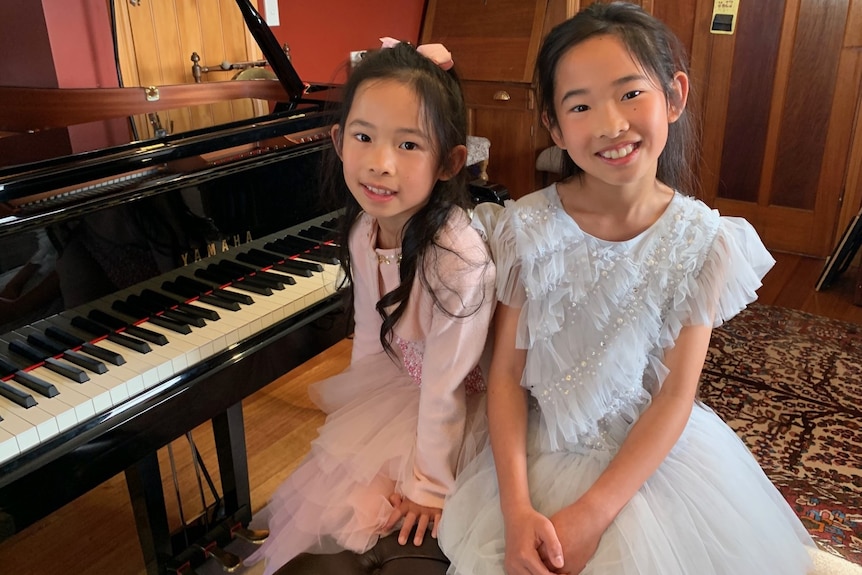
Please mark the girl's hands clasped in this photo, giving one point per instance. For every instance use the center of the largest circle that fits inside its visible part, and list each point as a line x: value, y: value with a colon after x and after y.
x: 532, y: 545
x: 579, y: 533
x: 413, y: 514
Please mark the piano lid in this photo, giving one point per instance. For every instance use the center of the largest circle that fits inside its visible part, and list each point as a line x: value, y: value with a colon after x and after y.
x: 275, y: 56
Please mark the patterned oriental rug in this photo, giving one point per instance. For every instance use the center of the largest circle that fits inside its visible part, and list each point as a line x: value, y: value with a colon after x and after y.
x: 790, y: 384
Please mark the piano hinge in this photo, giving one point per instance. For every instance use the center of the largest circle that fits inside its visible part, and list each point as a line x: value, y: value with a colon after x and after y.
x: 152, y: 93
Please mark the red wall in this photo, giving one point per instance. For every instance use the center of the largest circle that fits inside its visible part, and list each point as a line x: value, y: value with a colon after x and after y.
x: 321, y: 34
x: 56, y: 44
x: 61, y: 44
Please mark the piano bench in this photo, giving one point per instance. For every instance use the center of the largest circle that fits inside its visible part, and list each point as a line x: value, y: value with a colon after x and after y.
x: 387, y: 557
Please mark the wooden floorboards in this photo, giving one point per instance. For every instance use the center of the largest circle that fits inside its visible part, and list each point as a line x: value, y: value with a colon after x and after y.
x: 96, y: 533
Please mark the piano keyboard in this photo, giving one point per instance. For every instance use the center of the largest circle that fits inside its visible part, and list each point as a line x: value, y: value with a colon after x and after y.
x: 62, y: 371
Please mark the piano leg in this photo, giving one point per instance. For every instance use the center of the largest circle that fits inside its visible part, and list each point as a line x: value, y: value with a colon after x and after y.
x: 159, y: 547
x: 148, y: 501
x: 229, y: 433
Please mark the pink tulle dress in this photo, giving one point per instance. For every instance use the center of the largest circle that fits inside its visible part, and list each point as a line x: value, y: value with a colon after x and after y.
x: 403, y: 425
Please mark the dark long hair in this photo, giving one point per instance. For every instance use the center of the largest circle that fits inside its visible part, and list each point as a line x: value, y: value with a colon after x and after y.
x: 655, y: 47
x: 440, y: 96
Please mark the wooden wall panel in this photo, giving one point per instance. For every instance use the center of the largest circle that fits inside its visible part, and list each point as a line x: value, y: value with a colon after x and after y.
x: 497, y: 42
x: 679, y: 16
x: 754, y: 60
x: 810, y: 88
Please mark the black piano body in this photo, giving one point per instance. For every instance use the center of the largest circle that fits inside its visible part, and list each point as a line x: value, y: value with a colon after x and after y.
x: 112, y: 230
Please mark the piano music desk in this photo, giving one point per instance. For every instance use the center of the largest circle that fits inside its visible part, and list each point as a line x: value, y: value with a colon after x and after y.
x: 96, y: 533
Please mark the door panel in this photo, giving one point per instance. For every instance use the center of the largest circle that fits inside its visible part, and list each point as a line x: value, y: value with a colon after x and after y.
x: 156, y: 40
x: 778, y: 99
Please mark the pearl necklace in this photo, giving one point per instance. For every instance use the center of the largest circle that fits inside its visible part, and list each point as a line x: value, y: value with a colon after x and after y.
x: 389, y: 259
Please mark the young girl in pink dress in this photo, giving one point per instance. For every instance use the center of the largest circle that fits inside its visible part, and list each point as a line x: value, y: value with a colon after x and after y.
x: 408, y: 413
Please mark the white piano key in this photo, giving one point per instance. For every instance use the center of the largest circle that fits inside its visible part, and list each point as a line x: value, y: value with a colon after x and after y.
x: 70, y: 404
x: 99, y: 396
x: 152, y: 367
x: 8, y: 445
x: 25, y: 433
x: 42, y: 421
x: 60, y: 410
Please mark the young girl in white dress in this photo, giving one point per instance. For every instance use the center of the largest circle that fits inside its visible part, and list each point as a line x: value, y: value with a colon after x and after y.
x: 409, y: 410
x: 602, y: 461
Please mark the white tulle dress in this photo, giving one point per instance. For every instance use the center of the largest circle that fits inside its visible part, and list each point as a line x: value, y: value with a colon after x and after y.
x: 403, y: 426
x: 595, y: 318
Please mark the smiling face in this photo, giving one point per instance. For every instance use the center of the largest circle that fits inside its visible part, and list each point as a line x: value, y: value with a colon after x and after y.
x: 612, y: 117
x: 389, y: 156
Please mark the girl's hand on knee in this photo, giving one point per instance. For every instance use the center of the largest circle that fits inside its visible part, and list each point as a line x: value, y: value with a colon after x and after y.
x: 414, y: 515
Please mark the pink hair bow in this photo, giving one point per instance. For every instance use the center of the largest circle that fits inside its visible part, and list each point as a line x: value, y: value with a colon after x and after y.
x: 437, y: 53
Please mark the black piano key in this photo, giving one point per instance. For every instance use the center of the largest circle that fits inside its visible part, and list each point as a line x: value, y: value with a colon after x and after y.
x: 199, y: 311
x: 26, y: 350
x: 186, y: 290
x: 42, y: 341
x: 106, y: 319
x: 66, y: 370
x: 220, y: 277
x: 295, y: 270
x: 32, y: 354
x: 181, y: 289
x: 7, y: 367
x: 316, y: 233
x: 199, y: 286
x: 158, y: 299
x: 258, y: 257
x: 220, y: 293
x: 270, y: 279
x: 99, y: 330
x: 133, y: 330
x: 305, y: 249
x: 111, y: 357
x: 235, y: 267
x: 146, y: 334
x: 305, y: 244
x: 146, y: 305
x: 170, y: 324
x: 84, y: 361
x: 184, y: 317
x: 63, y: 336
x: 299, y: 244
x: 319, y: 257
x: 280, y: 248
x: 16, y: 395
x: 34, y: 383
x: 167, y: 318
x: 304, y: 265
x: 130, y: 309
x: 71, y: 340
x: 219, y: 302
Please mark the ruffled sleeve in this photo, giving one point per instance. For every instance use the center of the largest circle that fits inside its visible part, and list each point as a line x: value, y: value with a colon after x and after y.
x: 728, y: 280
x: 504, y: 248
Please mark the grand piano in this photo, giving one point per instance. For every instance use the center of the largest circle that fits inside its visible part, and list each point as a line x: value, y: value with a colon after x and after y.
x: 156, y: 285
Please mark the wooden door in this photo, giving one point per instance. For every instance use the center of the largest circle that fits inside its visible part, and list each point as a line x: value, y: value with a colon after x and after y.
x: 155, y: 41
x: 779, y: 99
